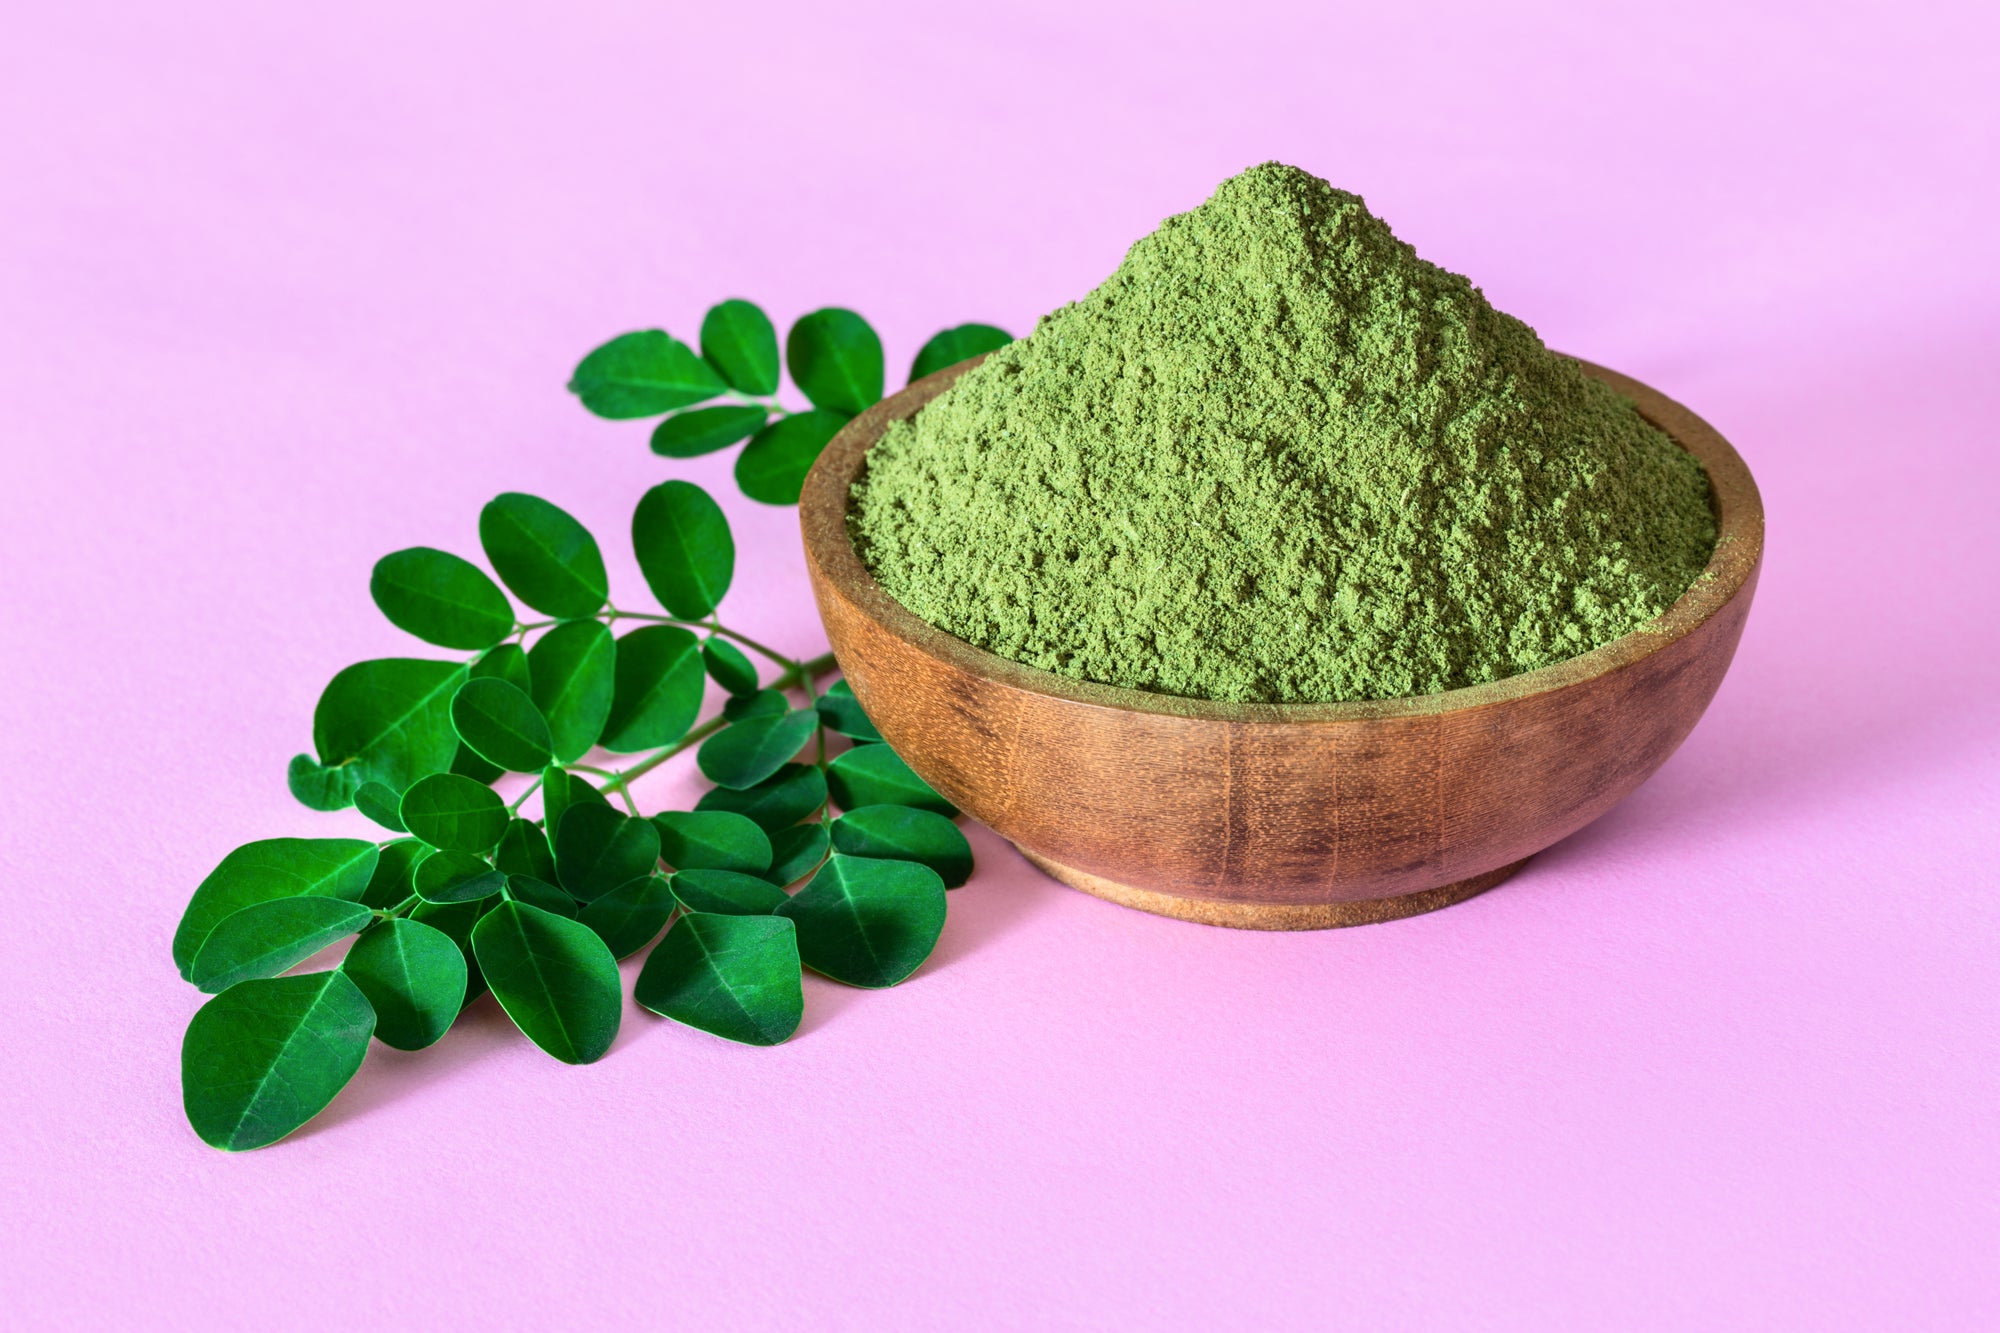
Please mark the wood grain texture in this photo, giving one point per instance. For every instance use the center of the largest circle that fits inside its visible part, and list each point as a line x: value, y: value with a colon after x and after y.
x: 1282, y: 816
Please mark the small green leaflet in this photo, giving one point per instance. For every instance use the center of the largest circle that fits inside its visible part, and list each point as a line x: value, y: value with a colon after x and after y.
x: 574, y: 667
x: 728, y: 667
x: 554, y: 977
x: 726, y: 892
x: 658, y: 689
x: 796, y: 852
x: 703, y: 430
x: 441, y: 598
x: 867, y: 922
x: 737, y: 338
x: 264, y: 1057
x: 628, y: 917
x: 524, y: 851
x: 506, y: 661
x: 548, y: 558
x: 455, y: 921
x: 453, y: 813
x: 772, y: 467
x: 318, y: 788
x: 467, y: 764
x: 390, y: 719
x: 745, y: 753
x: 734, y: 976
x: 413, y: 976
x: 841, y: 712
x: 455, y: 877
x: 395, y: 867
x: 783, y: 799
x: 274, y: 868
x: 381, y: 805
x: 540, y: 893
x: 502, y: 725
x: 265, y: 939
x: 836, y: 360
x: 764, y: 703
x: 684, y: 548
x: 560, y: 790
x: 712, y: 840
x: 955, y: 345
x: 905, y: 833
x: 642, y: 375
x: 877, y: 775
x: 598, y: 849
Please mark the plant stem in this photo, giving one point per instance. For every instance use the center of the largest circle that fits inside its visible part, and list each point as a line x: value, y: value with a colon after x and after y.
x: 520, y: 800
x: 791, y: 663
x: 800, y: 673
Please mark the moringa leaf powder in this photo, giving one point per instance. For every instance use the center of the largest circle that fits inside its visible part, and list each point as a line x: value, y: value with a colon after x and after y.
x: 1276, y: 456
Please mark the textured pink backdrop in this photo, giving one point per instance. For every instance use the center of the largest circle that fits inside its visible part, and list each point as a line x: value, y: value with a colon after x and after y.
x: 283, y: 289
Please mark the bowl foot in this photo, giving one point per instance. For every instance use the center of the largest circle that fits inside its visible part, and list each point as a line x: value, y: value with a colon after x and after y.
x: 1274, y: 916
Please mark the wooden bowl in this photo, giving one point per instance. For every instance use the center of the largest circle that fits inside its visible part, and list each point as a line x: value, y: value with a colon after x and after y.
x: 1282, y: 816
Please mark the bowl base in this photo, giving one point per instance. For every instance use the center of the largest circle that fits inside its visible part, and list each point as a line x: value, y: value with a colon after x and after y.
x: 1274, y: 916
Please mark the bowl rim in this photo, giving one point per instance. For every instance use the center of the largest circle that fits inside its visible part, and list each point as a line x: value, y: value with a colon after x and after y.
x: 823, y: 508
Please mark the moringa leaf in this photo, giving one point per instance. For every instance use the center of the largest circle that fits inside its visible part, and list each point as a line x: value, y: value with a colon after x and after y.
x: 836, y: 360
x: 642, y: 375
x: 395, y: 868
x: 265, y: 1056
x: 734, y: 976
x: 265, y: 939
x: 703, y: 430
x: 508, y: 662
x: 867, y: 922
x: 628, y: 917
x: 389, y: 719
x: 712, y: 840
x: 548, y: 558
x: 501, y: 725
x: 728, y: 667
x: 796, y: 852
x: 738, y: 339
x: 597, y: 849
x: 726, y: 892
x: 466, y: 763
x: 905, y: 833
x: 783, y: 799
x: 877, y: 775
x: 381, y: 805
x: 540, y: 893
x: 744, y: 753
x: 764, y: 703
x: 955, y: 345
x: 318, y: 788
x: 658, y: 690
x: 454, y: 814
x: 575, y: 669
x: 455, y: 922
x: 441, y: 598
x: 259, y: 872
x: 841, y: 712
x: 560, y: 790
x: 685, y: 551
x: 524, y: 851
x: 554, y: 977
x: 772, y: 467
x: 414, y: 977
x: 455, y: 877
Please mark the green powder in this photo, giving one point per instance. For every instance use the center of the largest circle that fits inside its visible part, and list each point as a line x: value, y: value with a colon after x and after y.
x: 1276, y: 456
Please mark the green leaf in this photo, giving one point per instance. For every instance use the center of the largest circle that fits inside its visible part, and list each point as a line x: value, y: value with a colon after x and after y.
x: 658, y: 691
x: 548, y: 558
x: 381, y: 805
x: 737, y: 338
x: 597, y: 849
x: 455, y: 877
x: 642, y: 375
x: 877, y: 775
x: 454, y: 814
x: 703, y: 430
x: 783, y: 799
x: 318, y: 788
x: 395, y: 869
x: 712, y: 840
x: 684, y: 548
x: 796, y: 852
x: 389, y: 720
x: 540, y: 893
x: 554, y: 977
x: 260, y: 872
x: 628, y: 917
x: 455, y: 922
x: 867, y: 922
x: 904, y: 833
x: 414, y: 977
x: 561, y: 790
x: 841, y: 712
x: 956, y: 345
x: 728, y: 667
x: 505, y: 661
x: 524, y: 851
x: 726, y: 892
x: 836, y: 360
x: 264, y: 1057
x: 441, y: 598
x: 764, y: 703
x: 575, y: 669
x: 468, y: 764
x: 734, y: 976
x: 265, y: 939
x: 744, y: 753
x: 502, y: 725
x: 772, y: 467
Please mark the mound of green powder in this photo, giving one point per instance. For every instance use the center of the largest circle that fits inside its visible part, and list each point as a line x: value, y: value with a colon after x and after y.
x: 1276, y: 456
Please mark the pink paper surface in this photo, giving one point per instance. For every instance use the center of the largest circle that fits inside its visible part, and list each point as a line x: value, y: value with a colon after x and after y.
x: 283, y: 288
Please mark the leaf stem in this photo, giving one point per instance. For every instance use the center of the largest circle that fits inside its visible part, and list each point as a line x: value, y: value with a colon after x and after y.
x: 521, y: 800
x: 791, y: 663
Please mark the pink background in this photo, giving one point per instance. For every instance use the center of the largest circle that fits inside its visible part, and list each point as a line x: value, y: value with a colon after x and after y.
x: 282, y: 291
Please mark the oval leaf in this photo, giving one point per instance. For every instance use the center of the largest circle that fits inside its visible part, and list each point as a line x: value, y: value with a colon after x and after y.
x: 381, y: 805
x: 728, y: 667
x: 796, y: 852
x: 772, y: 467
x: 506, y: 661
x: 642, y: 375
x: 554, y: 978
x: 548, y: 558
x: 836, y: 360
x: 264, y: 1057
x: 574, y: 667
x: 502, y: 725
x: 454, y: 814
x: 414, y: 977
x: 841, y: 712
x: 395, y: 869
x: 781, y: 800
x: 455, y: 877
x: 441, y: 598
x: 764, y: 703
x: 684, y: 548
x: 738, y: 339
x: 659, y: 686
x: 598, y: 849
x: 455, y: 922
x: 865, y: 922
x: 524, y: 851
x: 955, y: 345
x: 628, y: 917
x: 265, y: 939
x: 389, y: 720
x: 560, y: 790
x: 703, y: 430
x: 905, y: 833
x: 537, y: 892
x: 260, y: 872
x: 712, y: 840
x: 734, y: 976
x: 744, y: 753
x: 877, y: 775
x: 320, y: 788
x: 726, y: 892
